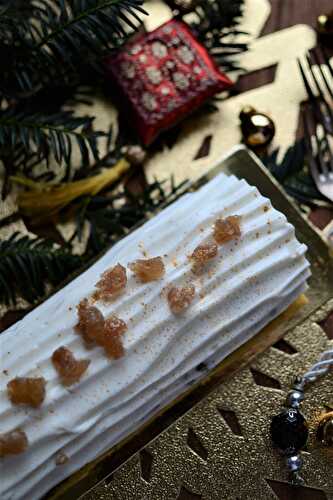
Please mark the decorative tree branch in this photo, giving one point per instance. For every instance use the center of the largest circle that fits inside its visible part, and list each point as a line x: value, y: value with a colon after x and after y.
x: 27, y: 265
x: 48, y: 134
x: 56, y: 35
x: 216, y: 27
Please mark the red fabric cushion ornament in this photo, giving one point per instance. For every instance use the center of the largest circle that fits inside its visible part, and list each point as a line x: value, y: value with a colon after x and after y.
x: 162, y: 76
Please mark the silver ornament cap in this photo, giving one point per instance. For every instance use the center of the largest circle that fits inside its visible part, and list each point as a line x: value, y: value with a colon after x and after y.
x: 294, y: 463
x: 294, y: 398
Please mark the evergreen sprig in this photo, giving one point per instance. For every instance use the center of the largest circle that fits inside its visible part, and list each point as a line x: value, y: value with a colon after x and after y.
x: 27, y: 265
x: 111, y: 217
x: 48, y: 50
x: 46, y: 46
x: 215, y: 26
x: 293, y: 174
x: 53, y: 133
x: 57, y: 37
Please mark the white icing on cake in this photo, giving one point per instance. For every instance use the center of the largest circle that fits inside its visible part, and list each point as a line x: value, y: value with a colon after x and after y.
x: 251, y: 282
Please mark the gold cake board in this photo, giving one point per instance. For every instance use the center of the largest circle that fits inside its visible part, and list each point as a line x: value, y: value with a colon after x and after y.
x: 232, y: 363
x: 220, y: 449
x: 245, y: 165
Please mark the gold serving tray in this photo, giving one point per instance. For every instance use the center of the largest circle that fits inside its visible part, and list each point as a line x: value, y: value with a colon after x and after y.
x: 244, y: 164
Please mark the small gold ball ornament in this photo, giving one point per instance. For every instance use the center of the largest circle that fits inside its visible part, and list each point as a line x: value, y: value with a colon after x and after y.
x: 257, y: 128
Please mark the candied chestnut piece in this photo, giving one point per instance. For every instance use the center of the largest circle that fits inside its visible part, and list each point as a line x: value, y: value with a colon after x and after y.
x: 112, y: 283
x: 113, y: 347
x: 91, y: 322
x: 13, y: 442
x: 69, y: 368
x: 111, y: 339
x: 115, y: 326
x: 148, y: 269
x: 227, y: 229
x: 180, y: 298
x: 202, y: 255
x: 27, y: 391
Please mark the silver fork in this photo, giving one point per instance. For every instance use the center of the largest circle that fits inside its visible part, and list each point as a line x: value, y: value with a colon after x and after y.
x: 319, y: 152
x: 321, y: 101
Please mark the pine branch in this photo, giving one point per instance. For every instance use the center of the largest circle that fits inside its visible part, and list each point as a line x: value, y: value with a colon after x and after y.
x: 112, y: 217
x: 40, y: 135
x: 27, y: 265
x: 294, y: 175
x: 216, y: 27
x: 84, y: 14
x: 217, y: 14
x: 58, y: 38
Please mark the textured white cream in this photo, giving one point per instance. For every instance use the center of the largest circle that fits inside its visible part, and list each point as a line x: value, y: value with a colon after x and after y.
x: 249, y: 284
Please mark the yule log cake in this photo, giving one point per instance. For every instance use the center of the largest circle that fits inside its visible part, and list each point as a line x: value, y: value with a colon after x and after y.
x: 92, y: 363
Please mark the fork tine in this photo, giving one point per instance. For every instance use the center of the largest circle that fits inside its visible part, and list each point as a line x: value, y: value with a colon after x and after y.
x: 327, y: 60
x: 325, y: 153
x: 321, y: 158
x: 307, y: 134
x: 308, y: 145
x: 313, y: 99
x: 311, y: 95
x: 314, y: 78
x: 319, y: 162
x: 319, y: 151
x: 321, y: 95
x: 318, y: 63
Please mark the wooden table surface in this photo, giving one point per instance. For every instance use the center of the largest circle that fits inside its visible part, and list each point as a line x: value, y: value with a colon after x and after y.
x: 287, y: 13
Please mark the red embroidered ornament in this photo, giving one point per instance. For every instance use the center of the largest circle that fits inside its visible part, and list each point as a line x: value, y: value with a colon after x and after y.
x: 162, y: 76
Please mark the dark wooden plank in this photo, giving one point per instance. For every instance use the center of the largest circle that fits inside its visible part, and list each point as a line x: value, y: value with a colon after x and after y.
x: 287, y: 13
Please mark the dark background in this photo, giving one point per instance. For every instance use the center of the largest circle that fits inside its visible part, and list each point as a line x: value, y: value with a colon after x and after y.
x: 289, y: 12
